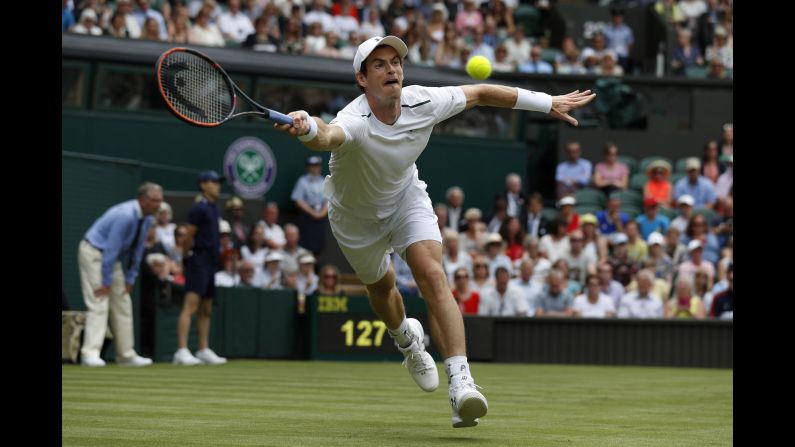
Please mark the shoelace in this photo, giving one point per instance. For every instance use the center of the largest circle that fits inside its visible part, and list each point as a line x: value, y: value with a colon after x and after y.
x: 419, y: 366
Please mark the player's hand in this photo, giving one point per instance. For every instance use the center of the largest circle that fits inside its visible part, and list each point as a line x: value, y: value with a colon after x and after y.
x: 300, y: 124
x: 102, y: 292
x: 563, y: 104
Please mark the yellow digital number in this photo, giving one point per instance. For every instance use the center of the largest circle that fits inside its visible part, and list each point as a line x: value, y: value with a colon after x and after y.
x: 365, y: 327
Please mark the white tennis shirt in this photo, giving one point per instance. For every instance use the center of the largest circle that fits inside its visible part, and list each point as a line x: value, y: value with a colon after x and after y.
x: 375, y: 168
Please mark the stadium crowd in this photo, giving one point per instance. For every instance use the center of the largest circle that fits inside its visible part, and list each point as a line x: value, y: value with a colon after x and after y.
x: 616, y: 243
x: 514, y: 35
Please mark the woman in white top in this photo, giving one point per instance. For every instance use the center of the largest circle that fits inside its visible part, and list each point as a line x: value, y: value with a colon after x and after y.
x: 593, y: 303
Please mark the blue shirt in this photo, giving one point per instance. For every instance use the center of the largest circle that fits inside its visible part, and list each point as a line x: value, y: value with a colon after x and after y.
x: 619, y: 38
x: 647, y: 227
x: 579, y: 172
x: 535, y: 67
x: 703, y: 191
x: 205, y: 216
x: 309, y: 189
x: 67, y: 19
x: 609, y: 228
x: 113, y: 234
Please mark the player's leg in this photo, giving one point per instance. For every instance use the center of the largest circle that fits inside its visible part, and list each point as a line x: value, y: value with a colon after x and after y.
x: 425, y: 260
x: 205, y: 354
x: 190, y: 305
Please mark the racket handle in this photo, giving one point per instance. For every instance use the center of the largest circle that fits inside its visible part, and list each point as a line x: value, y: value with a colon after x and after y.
x: 279, y: 117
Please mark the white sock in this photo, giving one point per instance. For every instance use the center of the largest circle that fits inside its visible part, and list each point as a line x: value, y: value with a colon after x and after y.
x: 457, y: 368
x: 402, y: 334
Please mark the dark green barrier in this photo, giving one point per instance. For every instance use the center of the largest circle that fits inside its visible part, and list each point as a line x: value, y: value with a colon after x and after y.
x: 346, y: 328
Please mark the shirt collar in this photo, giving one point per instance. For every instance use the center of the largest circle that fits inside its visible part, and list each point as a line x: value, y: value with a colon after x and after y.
x: 139, y: 213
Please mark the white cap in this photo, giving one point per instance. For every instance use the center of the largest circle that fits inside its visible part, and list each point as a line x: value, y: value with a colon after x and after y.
x: 307, y: 259
x: 656, y: 238
x: 568, y: 200
x: 369, y: 45
x: 274, y: 256
x: 687, y: 199
x: 494, y: 238
x: 224, y: 227
x: 620, y: 238
x: 694, y: 244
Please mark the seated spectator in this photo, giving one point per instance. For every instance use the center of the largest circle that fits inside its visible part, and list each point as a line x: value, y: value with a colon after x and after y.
x: 307, y: 281
x: 513, y: 235
x: 468, y: 18
x: 554, y: 300
x: 518, y: 46
x: 642, y: 303
x: 164, y: 228
x: 271, y: 276
x: 501, y: 62
x: 330, y: 281
x: 150, y: 30
x: 612, y: 219
x: 332, y: 46
x: 702, y: 286
x: 723, y: 302
x: 514, y: 197
x: 118, y: 26
x: 658, y: 186
x: 455, y: 208
x: 619, y: 39
x: 248, y: 276
x: 711, y: 166
x: 236, y: 215
x: 623, y: 266
x: 580, y: 262
x: 524, y: 282
x: 264, y: 38
x: 453, y: 257
x: 567, y: 213
x: 688, y: 268
x: 274, y: 234
x: 470, y: 240
x: 608, y: 65
x: 595, y: 243
x: 532, y: 218
x: 255, y: 249
x: 727, y: 140
x: 498, y: 215
x: 717, y: 70
x: 495, y: 256
x: 674, y: 247
x: 637, y: 251
x: 684, y: 304
x: 403, y: 276
x: 227, y: 277
x: 721, y: 50
x: 610, y: 286
x: 504, y: 299
x: 541, y: 264
x: 611, y: 174
x: 698, y: 229
x: 570, y: 62
x: 650, y: 221
x: 481, y: 279
x: 592, y: 56
x: 685, y: 203
x: 658, y: 261
x: 535, y: 64
x: 468, y: 300
x: 724, y: 184
x: 574, y: 173
x: 555, y: 243
x: 203, y: 32
x: 593, y: 303
x: 87, y: 24
x: 291, y: 250
x: 685, y: 55
x: 695, y: 185
x: 570, y: 282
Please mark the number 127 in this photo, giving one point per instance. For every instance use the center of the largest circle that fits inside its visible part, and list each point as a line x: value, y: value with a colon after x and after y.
x: 366, y: 328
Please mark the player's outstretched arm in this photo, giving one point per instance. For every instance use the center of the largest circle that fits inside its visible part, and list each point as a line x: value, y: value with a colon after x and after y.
x: 313, y: 132
x: 518, y: 98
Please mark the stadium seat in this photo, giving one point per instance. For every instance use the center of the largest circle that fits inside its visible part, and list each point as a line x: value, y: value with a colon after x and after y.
x: 590, y: 197
x: 631, y: 163
x: 676, y: 176
x: 630, y: 198
x: 638, y: 181
x: 670, y: 213
x: 680, y: 164
x: 587, y: 209
x: 550, y: 213
x: 632, y: 211
x: 529, y: 17
x: 710, y: 214
x: 696, y: 72
x: 646, y: 161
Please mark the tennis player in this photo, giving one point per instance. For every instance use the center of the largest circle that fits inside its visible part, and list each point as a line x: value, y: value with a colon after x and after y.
x: 378, y: 204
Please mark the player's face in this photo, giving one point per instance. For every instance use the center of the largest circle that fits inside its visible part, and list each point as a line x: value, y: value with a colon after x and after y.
x: 384, y: 72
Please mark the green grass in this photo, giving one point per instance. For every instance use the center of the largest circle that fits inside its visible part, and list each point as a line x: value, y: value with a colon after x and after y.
x: 291, y: 403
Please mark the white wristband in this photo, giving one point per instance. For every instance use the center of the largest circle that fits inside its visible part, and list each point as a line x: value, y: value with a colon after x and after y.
x: 535, y: 101
x: 309, y: 136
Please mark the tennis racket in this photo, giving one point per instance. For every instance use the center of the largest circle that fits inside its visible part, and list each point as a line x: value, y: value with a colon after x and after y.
x: 199, y: 92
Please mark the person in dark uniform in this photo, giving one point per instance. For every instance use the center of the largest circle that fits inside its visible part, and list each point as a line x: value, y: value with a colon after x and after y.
x: 312, y: 206
x: 200, y: 264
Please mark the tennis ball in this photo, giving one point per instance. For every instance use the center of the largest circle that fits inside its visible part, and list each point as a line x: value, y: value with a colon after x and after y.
x: 478, y: 67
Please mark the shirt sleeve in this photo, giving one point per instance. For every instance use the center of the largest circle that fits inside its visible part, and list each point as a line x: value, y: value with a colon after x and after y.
x: 298, y: 190
x: 447, y: 101
x: 351, y: 124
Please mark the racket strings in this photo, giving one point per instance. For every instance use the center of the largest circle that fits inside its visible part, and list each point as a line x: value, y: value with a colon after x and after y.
x: 195, y: 88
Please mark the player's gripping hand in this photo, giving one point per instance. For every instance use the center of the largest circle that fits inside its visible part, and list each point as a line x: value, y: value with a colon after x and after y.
x: 300, y: 126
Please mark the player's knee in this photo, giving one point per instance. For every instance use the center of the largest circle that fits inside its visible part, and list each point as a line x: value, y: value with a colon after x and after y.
x: 432, y: 276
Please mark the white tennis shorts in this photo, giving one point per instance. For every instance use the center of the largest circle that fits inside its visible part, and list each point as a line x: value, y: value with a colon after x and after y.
x: 367, y: 244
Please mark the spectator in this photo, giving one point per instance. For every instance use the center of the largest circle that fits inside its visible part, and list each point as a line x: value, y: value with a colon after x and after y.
x: 471, y: 238
x: 468, y: 18
x: 164, y: 228
x: 307, y: 282
x: 592, y: 56
x: 570, y: 62
x: 498, y: 215
x: 608, y: 65
x: 541, y: 265
x: 723, y: 187
x: 574, y: 173
x: 532, y: 217
x: 109, y: 257
x: 555, y: 300
x: 518, y: 47
x: 514, y: 195
x: 612, y: 219
x: 203, y: 32
x: 225, y: 237
x: 345, y: 17
x: 685, y: 213
x: 228, y: 277
x: 570, y: 282
x: 684, y: 304
x: 494, y: 254
x: 636, y: 244
x: 723, y: 302
x: 236, y: 215
x: 642, y: 303
x: 265, y: 36
x: 595, y: 243
x: 717, y: 70
x: 453, y: 257
x: 698, y: 229
x: 567, y: 213
x: 685, y: 55
x: 270, y: 277
x: 580, y: 262
x: 440, y: 209
x: 727, y: 140
x: 524, y: 282
x: 711, y: 166
x: 688, y: 269
x: 610, y: 286
x: 468, y: 300
x: 501, y: 62
x: 702, y: 286
x: 312, y: 206
x: 315, y: 39
x: 201, y: 263
x: 435, y: 26
x: 150, y: 30
x: 593, y: 303
x: 293, y: 38
x: 658, y: 185
x: 274, y: 234
x: 481, y: 279
x: 291, y: 249
x: 480, y: 47
x: 619, y: 39
x: 317, y: 13
x: 117, y: 26
x: 658, y: 261
x: 455, y: 208
x: 650, y: 220
x: 504, y: 299
x: 87, y: 24
x: 623, y: 266
x: 448, y: 51
x: 248, y: 276
x: 695, y: 185
x: 255, y: 249
x: 125, y: 8
x: 674, y: 248
x: 535, y: 64
x: 330, y: 281
x: 555, y: 244
x: 513, y: 235
x: 721, y: 49
x: 692, y: 10
x: 179, y: 26
x: 146, y: 12
x: 611, y: 175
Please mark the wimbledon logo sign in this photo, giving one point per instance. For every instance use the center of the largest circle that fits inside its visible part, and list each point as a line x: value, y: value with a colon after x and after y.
x: 250, y: 167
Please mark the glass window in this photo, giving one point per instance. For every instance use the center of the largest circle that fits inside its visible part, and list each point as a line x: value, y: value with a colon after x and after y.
x: 73, y: 85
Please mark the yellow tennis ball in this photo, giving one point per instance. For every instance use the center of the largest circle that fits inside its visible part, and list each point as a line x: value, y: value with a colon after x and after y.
x: 478, y: 67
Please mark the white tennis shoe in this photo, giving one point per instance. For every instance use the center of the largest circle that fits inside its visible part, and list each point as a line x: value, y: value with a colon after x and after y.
x: 420, y: 364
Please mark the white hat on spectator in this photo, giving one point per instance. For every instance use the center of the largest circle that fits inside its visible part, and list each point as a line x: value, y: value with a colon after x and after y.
x: 274, y: 256
x: 656, y: 238
x: 224, y: 227
x: 494, y: 238
x: 307, y: 259
x: 568, y: 200
x: 620, y: 238
x: 692, y: 163
x: 694, y: 244
x: 151, y: 258
x: 88, y: 13
x: 473, y: 213
x: 686, y: 199
x: 441, y: 7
